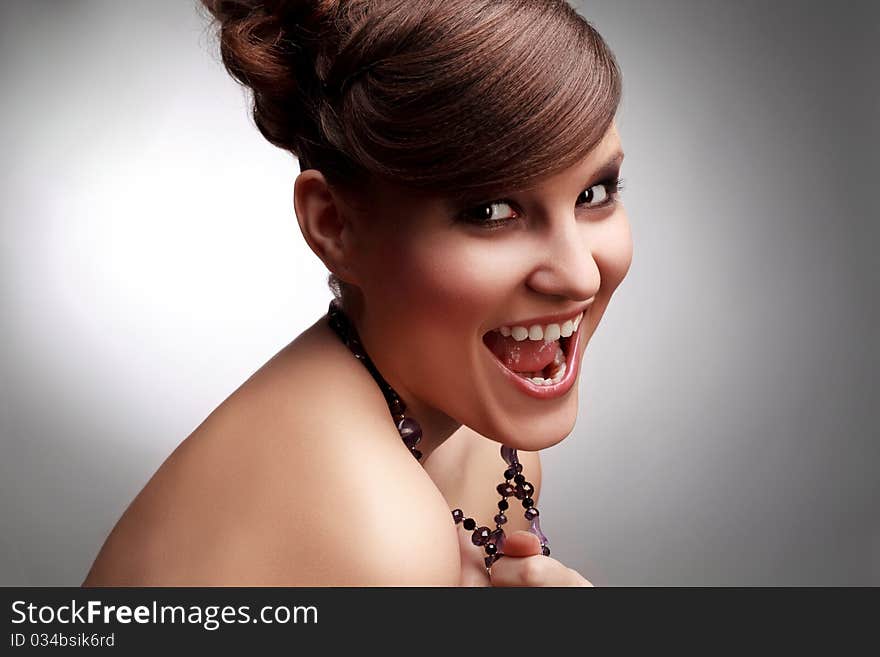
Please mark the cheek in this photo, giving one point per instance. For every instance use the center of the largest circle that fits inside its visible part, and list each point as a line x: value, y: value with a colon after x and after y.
x: 614, y: 251
x: 451, y: 283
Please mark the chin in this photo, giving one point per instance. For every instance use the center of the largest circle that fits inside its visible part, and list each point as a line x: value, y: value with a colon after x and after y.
x: 531, y: 433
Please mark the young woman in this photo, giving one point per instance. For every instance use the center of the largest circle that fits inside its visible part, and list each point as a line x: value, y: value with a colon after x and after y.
x: 459, y: 179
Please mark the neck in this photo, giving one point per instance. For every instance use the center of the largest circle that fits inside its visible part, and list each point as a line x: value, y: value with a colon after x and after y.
x: 436, y: 427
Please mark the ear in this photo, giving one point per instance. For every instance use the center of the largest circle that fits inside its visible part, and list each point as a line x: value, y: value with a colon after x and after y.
x: 323, y: 222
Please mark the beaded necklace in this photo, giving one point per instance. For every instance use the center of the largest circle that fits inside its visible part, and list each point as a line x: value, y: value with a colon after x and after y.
x: 492, y: 541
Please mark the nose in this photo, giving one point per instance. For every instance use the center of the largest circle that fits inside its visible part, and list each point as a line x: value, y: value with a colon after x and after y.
x: 566, y: 266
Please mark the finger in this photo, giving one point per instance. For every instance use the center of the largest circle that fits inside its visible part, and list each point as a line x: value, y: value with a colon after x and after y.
x: 521, y: 544
x: 535, y: 570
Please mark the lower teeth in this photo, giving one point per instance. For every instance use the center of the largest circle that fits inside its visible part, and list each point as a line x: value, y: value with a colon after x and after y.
x: 559, y: 361
x: 547, y: 382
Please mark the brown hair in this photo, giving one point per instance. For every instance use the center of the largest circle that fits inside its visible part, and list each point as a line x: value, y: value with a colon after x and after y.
x: 462, y: 98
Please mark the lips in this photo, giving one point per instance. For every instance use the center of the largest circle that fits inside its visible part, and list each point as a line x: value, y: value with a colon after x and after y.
x: 547, y: 391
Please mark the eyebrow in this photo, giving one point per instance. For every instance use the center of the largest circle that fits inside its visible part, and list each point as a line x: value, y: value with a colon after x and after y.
x: 608, y: 170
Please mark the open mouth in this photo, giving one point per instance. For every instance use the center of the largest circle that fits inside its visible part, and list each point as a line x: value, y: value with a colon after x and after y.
x: 540, y: 354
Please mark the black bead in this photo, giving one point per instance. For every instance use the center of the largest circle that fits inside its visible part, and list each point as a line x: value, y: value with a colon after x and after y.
x: 490, y: 548
x: 519, y: 478
x: 480, y: 536
x: 528, y: 502
x: 417, y: 454
x: 503, y: 505
x: 518, y: 467
x: 545, y: 550
x: 509, y: 474
x: 469, y: 523
x: 505, y: 489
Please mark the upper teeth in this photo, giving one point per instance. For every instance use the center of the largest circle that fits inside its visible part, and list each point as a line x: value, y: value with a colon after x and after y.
x: 549, y: 332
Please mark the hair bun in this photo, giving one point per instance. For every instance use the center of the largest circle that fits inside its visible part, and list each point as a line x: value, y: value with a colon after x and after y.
x: 272, y: 47
x: 474, y: 97
x: 311, y: 11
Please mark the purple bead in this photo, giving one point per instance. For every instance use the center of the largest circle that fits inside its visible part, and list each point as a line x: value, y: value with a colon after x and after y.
x: 531, y: 512
x: 535, y: 528
x: 457, y: 515
x: 505, y: 489
x: 509, y: 455
x: 497, y: 537
x: 524, y: 490
x: 488, y: 560
x: 500, y: 519
x: 480, y: 536
x: 410, y: 431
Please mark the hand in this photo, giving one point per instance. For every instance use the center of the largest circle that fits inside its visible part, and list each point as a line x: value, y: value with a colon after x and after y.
x: 524, y: 565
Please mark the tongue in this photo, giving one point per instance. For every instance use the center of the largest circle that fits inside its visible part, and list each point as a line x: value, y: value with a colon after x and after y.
x: 522, y: 356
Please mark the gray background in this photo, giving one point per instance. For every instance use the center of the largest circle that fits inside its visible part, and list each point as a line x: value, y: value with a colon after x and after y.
x: 150, y: 262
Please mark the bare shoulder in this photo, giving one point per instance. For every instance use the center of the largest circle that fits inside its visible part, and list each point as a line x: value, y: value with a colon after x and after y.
x: 295, y: 480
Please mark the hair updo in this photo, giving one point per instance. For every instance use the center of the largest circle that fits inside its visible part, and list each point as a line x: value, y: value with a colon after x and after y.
x: 464, y: 98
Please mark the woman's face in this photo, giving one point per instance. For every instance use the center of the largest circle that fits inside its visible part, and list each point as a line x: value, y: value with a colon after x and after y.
x: 438, y: 289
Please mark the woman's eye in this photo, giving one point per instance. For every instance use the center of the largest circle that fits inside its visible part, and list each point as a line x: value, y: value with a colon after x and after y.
x: 600, y: 193
x: 595, y: 195
x: 497, y: 212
